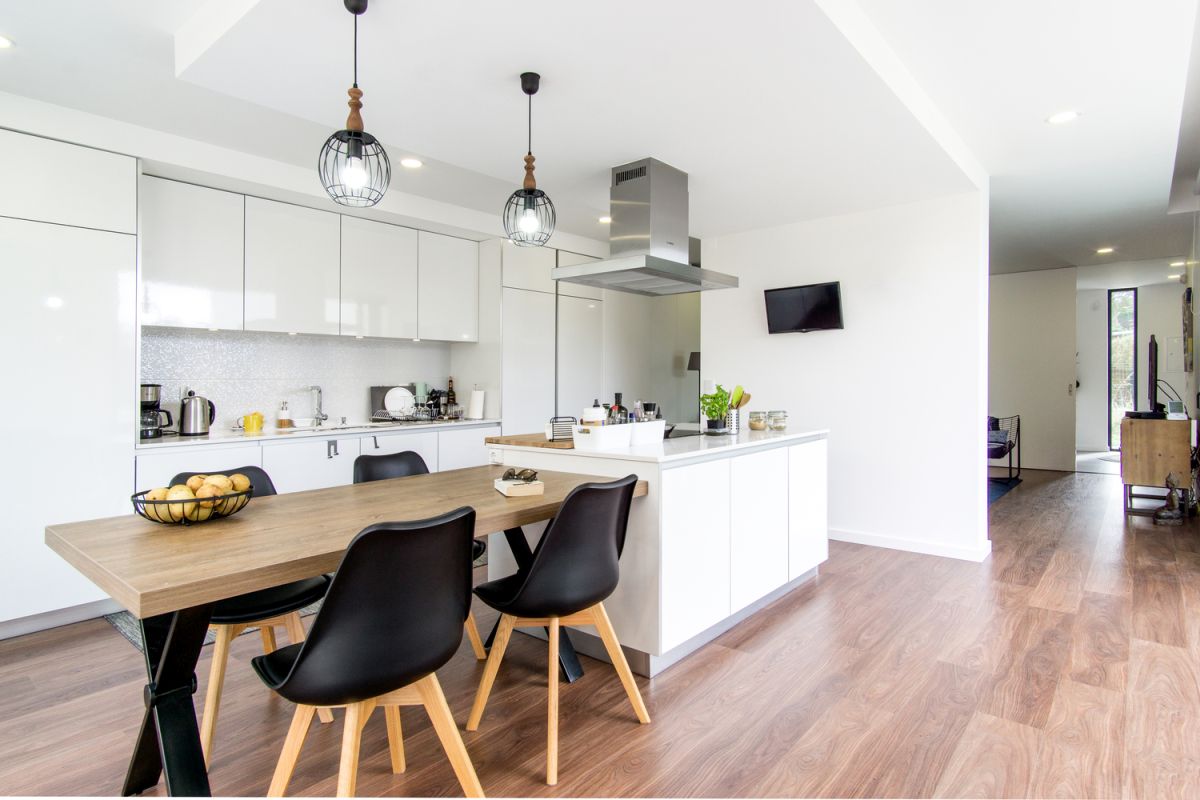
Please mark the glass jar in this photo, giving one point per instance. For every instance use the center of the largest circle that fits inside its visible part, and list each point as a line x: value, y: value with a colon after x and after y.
x: 758, y: 420
x: 777, y: 420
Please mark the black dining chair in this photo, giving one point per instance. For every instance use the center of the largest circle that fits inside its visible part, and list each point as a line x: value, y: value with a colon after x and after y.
x: 393, y: 615
x: 402, y: 465
x: 264, y: 609
x: 574, y: 568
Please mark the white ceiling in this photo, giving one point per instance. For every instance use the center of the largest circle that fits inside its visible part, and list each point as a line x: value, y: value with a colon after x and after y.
x: 1126, y: 274
x: 998, y: 69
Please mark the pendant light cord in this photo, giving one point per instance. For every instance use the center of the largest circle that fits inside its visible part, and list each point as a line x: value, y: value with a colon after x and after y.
x: 356, y: 51
x: 529, y: 128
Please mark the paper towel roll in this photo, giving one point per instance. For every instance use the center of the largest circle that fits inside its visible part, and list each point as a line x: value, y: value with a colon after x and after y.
x: 475, y: 407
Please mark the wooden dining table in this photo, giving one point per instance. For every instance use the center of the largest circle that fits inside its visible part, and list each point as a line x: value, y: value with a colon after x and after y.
x: 169, y: 577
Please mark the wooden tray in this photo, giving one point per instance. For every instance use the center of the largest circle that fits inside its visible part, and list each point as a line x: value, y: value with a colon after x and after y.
x: 530, y: 440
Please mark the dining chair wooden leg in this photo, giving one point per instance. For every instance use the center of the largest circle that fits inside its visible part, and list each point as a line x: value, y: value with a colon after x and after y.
x: 267, y: 631
x: 216, y: 682
x: 301, y: 721
x: 395, y: 738
x: 447, y: 731
x: 356, y: 718
x: 552, y: 706
x: 489, y: 672
x: 296, y: 634
x: 617, y: 656
x: 476, y: 640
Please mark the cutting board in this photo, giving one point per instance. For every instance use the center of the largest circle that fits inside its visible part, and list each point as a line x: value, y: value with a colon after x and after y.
x: 530, y: 440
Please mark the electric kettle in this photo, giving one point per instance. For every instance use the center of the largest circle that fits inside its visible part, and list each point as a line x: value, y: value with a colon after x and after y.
x: 196, y: 414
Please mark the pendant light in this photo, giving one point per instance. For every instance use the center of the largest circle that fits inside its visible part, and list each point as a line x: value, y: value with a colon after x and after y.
x: 529, y: 215
x: 353, y: 165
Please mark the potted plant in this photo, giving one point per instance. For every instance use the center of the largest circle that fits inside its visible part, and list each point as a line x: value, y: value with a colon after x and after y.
x: 715, y: 406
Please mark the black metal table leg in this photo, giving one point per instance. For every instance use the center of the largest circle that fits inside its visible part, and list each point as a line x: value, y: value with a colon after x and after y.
x: 169, y: 741
x: 572, y: 670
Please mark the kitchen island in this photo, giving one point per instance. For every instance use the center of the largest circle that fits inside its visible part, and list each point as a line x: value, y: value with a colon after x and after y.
x: 730, y: 524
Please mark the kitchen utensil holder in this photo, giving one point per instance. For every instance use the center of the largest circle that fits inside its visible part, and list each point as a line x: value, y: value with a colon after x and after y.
x: 733, y: 421
x: 562, y: 429
x: 160, y: 511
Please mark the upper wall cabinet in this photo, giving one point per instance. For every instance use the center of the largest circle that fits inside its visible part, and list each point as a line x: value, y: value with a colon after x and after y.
x: 50, y: 181
x: 379, y: 279
x: 191, y: 266
x: 292, y: 268
x: 566, y: 259
x: 528, y: 268
x: 447, y: 288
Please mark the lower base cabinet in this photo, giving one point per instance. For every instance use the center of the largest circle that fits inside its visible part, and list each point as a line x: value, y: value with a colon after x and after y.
x: 458, y: 449
x: 157, y: 469
x: 423, y: 444
x: 808, y: 511
x: 311, y: 464
x: 758, y: 535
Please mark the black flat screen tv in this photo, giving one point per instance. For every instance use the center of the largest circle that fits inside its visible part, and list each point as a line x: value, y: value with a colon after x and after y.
x: 800, y: 309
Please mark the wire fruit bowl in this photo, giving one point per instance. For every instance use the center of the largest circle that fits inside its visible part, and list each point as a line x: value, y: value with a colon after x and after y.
x: 190, y: 511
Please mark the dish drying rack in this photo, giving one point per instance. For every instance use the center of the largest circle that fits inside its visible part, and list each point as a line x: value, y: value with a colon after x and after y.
x: 418, y: 414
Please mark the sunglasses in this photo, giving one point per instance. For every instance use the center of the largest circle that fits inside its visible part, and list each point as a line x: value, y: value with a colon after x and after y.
x: 524, y: 475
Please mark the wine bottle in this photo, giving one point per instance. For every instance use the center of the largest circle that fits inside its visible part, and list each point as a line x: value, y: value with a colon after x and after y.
x: 451, y: 399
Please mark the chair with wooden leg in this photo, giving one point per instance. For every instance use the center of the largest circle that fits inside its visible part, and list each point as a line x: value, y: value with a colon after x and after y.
x: 265, y: 609
x: 574, y: 568
x: 401, y: 465
x: 393, y: 615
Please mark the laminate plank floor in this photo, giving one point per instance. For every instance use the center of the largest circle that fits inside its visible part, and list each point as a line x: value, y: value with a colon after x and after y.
x: 1065, y: 665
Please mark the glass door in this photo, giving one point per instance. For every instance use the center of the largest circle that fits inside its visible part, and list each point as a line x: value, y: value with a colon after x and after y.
x: 1122, y: 360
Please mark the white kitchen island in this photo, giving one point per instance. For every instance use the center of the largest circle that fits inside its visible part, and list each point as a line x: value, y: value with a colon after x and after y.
x: 730, y: 524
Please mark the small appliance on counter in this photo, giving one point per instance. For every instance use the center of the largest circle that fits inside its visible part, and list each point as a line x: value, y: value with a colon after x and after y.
x: 196, y: 415
x: 151, y: 425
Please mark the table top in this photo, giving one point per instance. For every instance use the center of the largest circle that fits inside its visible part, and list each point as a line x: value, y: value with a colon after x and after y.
x: 150, y: 568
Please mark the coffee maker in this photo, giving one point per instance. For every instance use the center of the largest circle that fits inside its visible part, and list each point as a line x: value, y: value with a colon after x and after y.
x: 152, y: 424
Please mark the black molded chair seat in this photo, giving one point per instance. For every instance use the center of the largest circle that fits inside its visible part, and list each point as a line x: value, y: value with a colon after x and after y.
x: 274, y: 667
x: 273, y: 602
x: 499, y: 593
x: 478, y: 548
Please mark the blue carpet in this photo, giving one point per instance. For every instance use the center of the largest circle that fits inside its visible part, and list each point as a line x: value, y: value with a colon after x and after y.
x: 996, y: 489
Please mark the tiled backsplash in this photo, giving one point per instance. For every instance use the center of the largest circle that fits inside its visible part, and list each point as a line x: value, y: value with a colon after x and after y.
x: 242, y: 372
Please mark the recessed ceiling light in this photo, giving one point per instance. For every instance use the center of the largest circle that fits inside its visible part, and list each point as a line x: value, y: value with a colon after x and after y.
x: 1174, y: 277
x: 1063, y: 117
x: 54, y: 302
x: 5, y: 42
x: 1176, y: 264
x: 410, y: 163
x: 605, y: 220
x: 1103, y: 251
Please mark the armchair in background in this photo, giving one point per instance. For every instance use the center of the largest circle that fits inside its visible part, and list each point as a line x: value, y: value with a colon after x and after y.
x: 1003, y: 438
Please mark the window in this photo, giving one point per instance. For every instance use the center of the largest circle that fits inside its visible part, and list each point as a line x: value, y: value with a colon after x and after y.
x: 1122, y: 360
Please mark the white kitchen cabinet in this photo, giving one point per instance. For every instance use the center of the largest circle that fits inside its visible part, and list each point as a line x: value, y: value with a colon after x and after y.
x: 580, y: 354
x: 758, y: 534
x: 447, y: 288
x: 808, y: 512
x: 694, y: 588
x: 566, y: 259
x: 423, y: 444
x: 528, y: 268
x: 379, y: 279
x: 67, y: 317
x: 458, y: 449
x: 192, y: 255
x: 51, y: 181
x: 292, y: 268
x: 311, y: 463
x: 527, y: 361
x: 157, y: 468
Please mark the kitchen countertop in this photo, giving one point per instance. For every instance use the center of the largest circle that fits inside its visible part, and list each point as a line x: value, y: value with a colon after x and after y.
x: 691, y: 447
x: 325, y: 431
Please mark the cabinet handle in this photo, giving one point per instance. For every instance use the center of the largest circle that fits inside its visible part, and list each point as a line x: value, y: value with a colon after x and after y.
x: 376, y: 440
x: 331, y: 448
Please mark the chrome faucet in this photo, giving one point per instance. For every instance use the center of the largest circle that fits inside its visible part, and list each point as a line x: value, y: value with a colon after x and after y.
x: 318, y: 414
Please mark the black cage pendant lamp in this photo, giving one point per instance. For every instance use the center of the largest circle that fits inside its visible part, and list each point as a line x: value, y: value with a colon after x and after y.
x: 353, y: 165
x: 529, y: 215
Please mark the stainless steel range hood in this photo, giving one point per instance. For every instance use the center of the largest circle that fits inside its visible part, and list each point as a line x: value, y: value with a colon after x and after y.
x: 648, y: 237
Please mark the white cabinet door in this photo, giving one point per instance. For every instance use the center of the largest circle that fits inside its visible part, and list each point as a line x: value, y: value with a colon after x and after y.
x: 527, y: 361
x: 695, y: 550
x: 566, y: 259
x: 580, y: 354
x: 192, y: 255
x: 528, y: 268
x: 448, y: 288
x: 424, y: 444
x: 808, y: 511
x: 51, y: 181
x: 379, y: 279
x: 292, y: 268
x: 67, y: 317
x: 458, y: 449
x: 758, y: 532
x: 156, y: 468
x: 311, y: 464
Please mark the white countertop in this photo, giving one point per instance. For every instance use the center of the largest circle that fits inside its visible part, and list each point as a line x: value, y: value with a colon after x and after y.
x: 227, y: 436
x: 670, y: 450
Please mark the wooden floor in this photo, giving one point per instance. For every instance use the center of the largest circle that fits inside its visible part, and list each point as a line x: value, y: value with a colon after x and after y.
x: 1066, y: 665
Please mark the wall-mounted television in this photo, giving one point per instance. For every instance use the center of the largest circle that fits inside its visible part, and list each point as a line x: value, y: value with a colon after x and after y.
x: 800, y: 309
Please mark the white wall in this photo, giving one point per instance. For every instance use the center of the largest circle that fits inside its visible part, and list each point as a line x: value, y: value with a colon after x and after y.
x: 902, y: 389
x: 1160, y: 313
x: 1091, y: 369
x: 1031, y: 362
